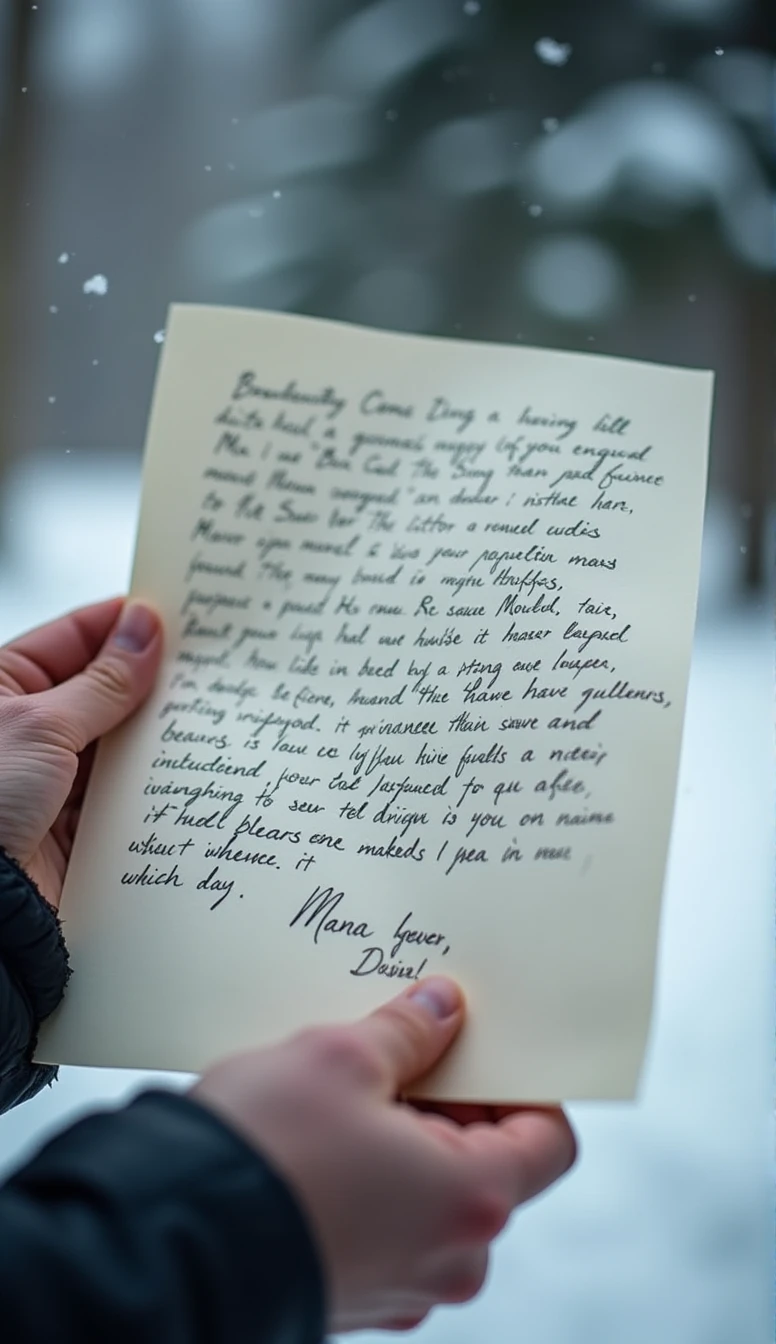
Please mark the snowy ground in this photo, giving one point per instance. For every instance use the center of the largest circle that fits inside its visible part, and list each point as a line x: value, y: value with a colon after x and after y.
x: 663, y: 1234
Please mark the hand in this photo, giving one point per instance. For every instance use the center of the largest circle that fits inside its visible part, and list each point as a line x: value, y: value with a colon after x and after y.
x: 403, y: 1204
x: 61, y: 687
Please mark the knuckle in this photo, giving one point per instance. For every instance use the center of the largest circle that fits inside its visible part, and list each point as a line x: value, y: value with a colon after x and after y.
x: 556, y: 1148
x: 30, y: 717
x: 111, y: 677
x: 340, y: 1050
x: 12, y: 713
x: 22, y: 710
x: 405, y: 1020
x: 465, y: 1282
x: 485, y: 1214
x: 403, y: 1325
x: 305, y: 1045
x: 469, y: 1286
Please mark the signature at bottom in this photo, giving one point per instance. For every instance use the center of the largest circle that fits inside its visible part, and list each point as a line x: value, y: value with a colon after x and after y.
x: 325, y: 912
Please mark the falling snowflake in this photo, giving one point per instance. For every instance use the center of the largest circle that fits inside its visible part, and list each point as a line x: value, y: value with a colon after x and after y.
x: 63, y: 258
x: 472, y: 7
x: 719, y: 51
x: 95, y: 362
x: 51, y: 401
x: 159, y: 336
x: 691, y: 298
x: 97, y: 285
x: 53, y: 308
x: 550, y: 125
x: 276, y: 195
x: 536, y: 210
x: 552, y: 52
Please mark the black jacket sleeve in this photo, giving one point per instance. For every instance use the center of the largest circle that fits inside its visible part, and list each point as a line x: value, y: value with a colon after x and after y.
x: 156, y: 1224
x: 34, y: 970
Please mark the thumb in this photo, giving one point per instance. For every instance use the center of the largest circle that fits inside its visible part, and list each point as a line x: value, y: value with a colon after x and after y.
x: 112, y: 686
x: 411, y: 1033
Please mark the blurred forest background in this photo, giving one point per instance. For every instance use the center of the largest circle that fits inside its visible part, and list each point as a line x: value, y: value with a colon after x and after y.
x: 587, y: 174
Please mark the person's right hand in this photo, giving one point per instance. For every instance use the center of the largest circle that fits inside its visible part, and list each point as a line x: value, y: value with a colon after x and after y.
x: 404, y: 1204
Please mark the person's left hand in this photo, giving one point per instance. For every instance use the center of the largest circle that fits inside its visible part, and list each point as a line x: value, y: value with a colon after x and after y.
x: 62, y: 686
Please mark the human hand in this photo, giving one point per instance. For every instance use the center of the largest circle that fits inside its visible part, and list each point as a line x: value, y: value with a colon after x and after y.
x: 404, y: 1203
x: 62, y: 686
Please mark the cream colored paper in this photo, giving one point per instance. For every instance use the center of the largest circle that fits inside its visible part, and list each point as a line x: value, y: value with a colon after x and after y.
x: 500, y: 547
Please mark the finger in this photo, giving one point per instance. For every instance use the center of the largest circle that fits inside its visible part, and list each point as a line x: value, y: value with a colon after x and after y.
x: 116, y: 681
x: 456, y: 1276
x: 405, y: 1313
x: 525, y: 1153
x: 51, y: 653
x: 410, y: 1034
x: 403, y: 1324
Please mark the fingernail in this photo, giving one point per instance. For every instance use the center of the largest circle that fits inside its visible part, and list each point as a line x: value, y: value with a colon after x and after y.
x: 438, y: 996
x: 136, y: 629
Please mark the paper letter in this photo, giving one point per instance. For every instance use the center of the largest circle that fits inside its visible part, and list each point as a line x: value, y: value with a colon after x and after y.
x: 429, y: 607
